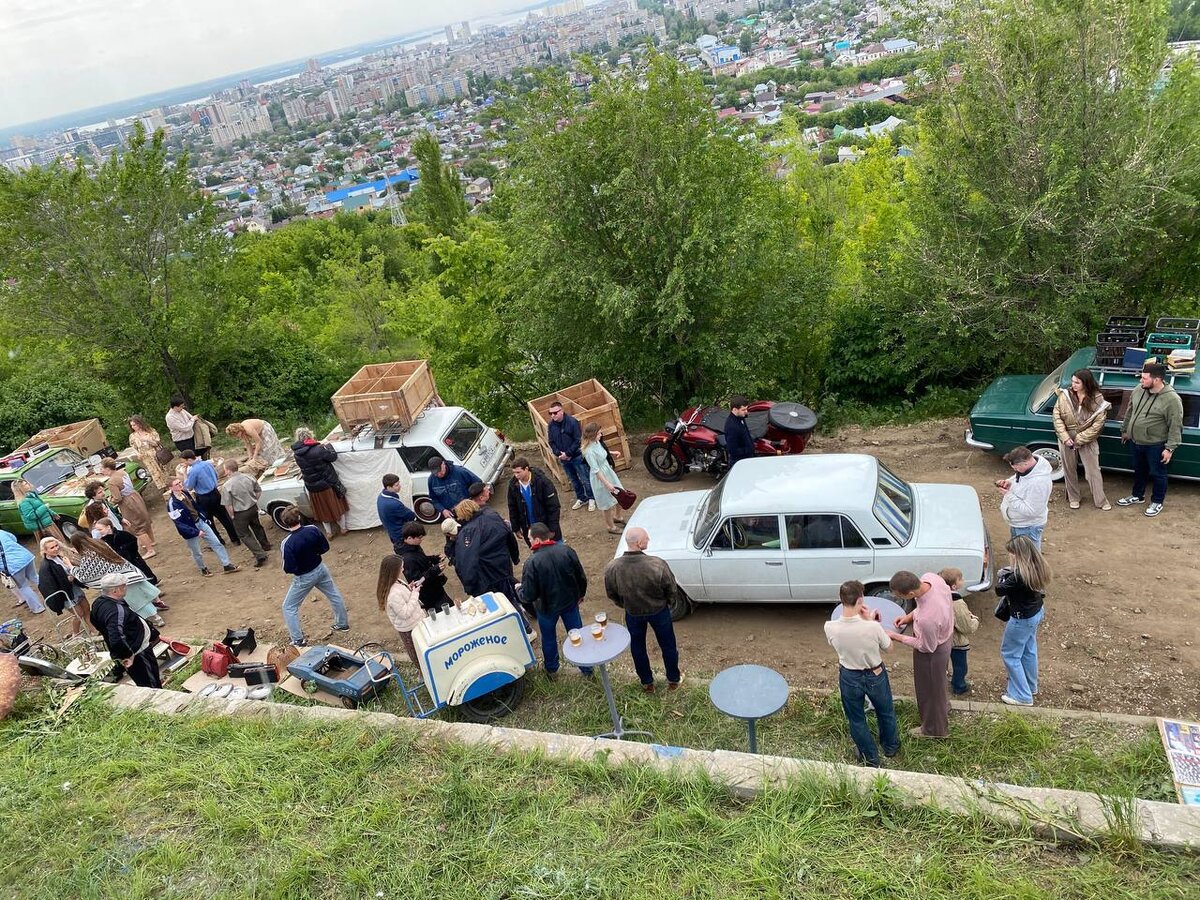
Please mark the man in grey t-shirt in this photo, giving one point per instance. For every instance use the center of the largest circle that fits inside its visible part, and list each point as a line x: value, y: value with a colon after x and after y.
x: 860, y: 640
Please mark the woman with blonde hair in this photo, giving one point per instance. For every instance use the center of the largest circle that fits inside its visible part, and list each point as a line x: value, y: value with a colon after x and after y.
x: 36, y: 516
x: 262, y: 444
x: 151, y: 453
x: 97, y: 559
x: 604, y: 479
x: 1021, y: 587
x: 130, y: 503
x: 400, y: 601
x: 1079, y: 416
x: 56, y: 579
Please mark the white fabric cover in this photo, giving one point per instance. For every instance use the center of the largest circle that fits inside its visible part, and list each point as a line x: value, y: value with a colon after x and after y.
x: 362, y: 473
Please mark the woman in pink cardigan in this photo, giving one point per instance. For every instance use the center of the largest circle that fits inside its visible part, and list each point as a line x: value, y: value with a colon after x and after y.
x: 933, y: 629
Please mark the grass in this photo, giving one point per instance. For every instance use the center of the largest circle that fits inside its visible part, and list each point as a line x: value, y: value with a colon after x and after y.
x: 105, y: 804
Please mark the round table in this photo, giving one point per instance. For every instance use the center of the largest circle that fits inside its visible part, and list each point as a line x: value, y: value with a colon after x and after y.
x: 750, y: 693
x: 889, y: 611
x: 599, y: 653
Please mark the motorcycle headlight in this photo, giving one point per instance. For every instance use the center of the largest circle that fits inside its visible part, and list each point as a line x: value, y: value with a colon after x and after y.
x: 670, y: 426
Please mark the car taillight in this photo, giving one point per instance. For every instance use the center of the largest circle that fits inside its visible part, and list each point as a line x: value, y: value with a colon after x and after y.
x: 500, y: 435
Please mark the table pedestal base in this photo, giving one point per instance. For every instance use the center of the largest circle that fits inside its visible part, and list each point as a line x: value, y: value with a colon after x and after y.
x: 618, y: 732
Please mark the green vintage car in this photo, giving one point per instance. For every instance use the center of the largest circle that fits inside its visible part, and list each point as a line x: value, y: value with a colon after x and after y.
x: 1017, y: 409
x: 59, y: 475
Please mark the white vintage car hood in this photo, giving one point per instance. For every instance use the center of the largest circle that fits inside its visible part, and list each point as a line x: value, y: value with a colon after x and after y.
x: 667, y: 518
x: 948, y: 518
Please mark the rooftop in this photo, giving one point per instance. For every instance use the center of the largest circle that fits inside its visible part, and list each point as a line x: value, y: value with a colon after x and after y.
x: 788, y: 484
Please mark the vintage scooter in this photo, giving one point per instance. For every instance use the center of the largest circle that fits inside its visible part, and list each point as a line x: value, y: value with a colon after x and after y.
x: 695, y: 441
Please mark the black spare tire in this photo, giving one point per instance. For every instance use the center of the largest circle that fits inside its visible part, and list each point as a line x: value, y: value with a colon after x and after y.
x: 793, y: 418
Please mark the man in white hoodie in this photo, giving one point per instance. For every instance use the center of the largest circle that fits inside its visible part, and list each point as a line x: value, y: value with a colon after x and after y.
x: 1026, y: 496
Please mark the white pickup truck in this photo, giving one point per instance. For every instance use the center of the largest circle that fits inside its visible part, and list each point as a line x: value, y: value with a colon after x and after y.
x: 450, y: 432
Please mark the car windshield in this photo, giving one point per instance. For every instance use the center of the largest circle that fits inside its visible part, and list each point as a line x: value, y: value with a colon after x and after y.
x: 55, y: 470
x: 463, y: 437
x: 894, y: 505
x: 1045, y: 390
x: 709, y: 515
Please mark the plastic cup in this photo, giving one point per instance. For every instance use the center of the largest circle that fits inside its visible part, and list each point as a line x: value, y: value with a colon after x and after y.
x: 598, y: 631
x: 602, y: 619
x: 575, y: 637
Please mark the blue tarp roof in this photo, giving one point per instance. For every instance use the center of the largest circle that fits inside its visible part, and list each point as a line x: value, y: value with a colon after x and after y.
x: 408, y: 175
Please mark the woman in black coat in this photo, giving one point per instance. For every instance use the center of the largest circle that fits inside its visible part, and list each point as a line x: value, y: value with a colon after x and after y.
x: 326, y: 495
x: 58, y: 585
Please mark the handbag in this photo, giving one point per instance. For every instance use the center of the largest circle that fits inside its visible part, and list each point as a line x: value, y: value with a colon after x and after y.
x: 1003, y: 611
x: 5, y: 578
x: 216, y: 660
x: 625, y: 498
x: 163, y: 456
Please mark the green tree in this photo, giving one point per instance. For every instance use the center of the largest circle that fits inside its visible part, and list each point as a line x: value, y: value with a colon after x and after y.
x: 652, y: 248
x: 115, y: 262
x: 438, y: 199
x: 745, y: 41
x: 1057, y: 183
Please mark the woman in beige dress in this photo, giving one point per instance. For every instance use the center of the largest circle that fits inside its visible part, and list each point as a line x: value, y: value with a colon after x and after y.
x: 147, y: 443
x: 130, y: 503
x: 261, y: 443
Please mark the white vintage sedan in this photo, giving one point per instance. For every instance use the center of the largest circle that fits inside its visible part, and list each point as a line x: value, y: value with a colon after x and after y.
x: 793, y: 528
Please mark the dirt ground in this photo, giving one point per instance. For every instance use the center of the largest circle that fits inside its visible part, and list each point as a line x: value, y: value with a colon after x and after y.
x: 1121, y: 631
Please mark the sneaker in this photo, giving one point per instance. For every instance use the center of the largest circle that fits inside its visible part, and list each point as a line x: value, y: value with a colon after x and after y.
x: 206, y: 573
x: 1012, y: 701
x: 648, y: 688
x: 591, y: 506
x: 1130, y: 500
x: 157, y: 622
x: 1153, y: 510
x: 231, y: 568
x: 259, y: 563
x: 341, y: 627
x: 300, y: 643
x: 578, y: 504
x: 672, y: 685
x: 1074, y: 504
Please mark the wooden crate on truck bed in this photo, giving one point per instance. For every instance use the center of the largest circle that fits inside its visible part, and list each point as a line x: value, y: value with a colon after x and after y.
x: 85, y: 438
x: 588, y: 401
x: 385, y: 395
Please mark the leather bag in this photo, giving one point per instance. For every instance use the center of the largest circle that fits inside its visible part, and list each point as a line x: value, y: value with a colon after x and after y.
x: 163, y: 456
x: 1003, y: 611
x: 216, y: 660
x: 625, y: 498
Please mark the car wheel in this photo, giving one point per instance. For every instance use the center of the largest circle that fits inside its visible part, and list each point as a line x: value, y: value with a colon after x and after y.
x: 275, y: 511
x: 495, y: 705
x: 881, y: 590
x: 681, y: 605
x: 426, y: 511
x: 662, y: 463
x: 1052, y: 456
x: 349, y: 702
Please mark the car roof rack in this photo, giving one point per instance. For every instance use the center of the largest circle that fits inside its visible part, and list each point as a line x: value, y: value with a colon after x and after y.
x: 1114, y: 370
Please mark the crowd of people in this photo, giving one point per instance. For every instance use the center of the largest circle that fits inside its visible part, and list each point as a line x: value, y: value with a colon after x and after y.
x: 110, y: 551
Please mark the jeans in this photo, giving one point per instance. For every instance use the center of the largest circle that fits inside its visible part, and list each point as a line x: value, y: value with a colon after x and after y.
x: 854, y: 687
x: 1033, y: 532
x: 1148, y: 466
x: 1018, y: 649
x: 26, y: 589
x: 548, y: 625
x: 664, y: 633
x: 250, y: 530
x: 580, y: 476
x: 210, y: 538
x: 301, y: 587
x: 958, y: 669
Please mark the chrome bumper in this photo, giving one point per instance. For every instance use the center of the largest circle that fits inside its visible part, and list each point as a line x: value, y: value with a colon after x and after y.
x: 978, y: 445
x: 989, y: 572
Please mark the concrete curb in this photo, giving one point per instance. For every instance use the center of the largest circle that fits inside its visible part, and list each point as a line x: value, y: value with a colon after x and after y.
x: 1057, y: 814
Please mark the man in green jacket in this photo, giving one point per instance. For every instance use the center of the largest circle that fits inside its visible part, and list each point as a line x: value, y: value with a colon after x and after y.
x: 1154, y: 423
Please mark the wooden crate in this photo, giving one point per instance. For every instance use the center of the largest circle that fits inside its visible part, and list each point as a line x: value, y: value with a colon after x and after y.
x: 588, y: 401
x: 385, y: 394
x: 85, y: 438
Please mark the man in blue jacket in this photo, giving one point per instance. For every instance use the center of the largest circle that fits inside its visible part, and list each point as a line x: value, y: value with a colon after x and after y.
x: 448, y: 485
x: 393, y: 512
x: 564, y: 435
x: 738, y: 442
x: 301, y: 551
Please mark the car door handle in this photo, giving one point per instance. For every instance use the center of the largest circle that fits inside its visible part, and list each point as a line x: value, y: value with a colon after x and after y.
x: 860, y: 562
x: 769, y: 563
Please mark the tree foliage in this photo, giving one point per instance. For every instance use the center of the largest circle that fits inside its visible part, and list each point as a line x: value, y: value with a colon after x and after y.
x: 438, y: 199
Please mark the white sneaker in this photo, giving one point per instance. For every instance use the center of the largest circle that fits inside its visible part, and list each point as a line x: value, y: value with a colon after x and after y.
x: 591, y: 506
x: 1012, y: 701
x: 1153, y: 510
x: 578, y: 504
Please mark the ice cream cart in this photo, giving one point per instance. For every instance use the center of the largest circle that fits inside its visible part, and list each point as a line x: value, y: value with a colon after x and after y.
x: 472, y: 656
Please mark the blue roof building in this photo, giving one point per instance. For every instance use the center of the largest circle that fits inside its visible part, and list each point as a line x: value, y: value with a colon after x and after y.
x: 408, y: 176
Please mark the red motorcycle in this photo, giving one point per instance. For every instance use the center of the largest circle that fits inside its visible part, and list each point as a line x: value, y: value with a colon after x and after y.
x: 695, y: 442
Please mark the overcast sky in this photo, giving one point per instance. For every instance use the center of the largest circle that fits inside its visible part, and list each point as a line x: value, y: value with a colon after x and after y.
x: 57, y: 56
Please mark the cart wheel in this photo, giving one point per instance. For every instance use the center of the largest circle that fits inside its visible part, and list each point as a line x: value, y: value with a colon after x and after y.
x: 349, y: 702
x: 496, y: 705
x: 310, y: 686
x: 48, y: 652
